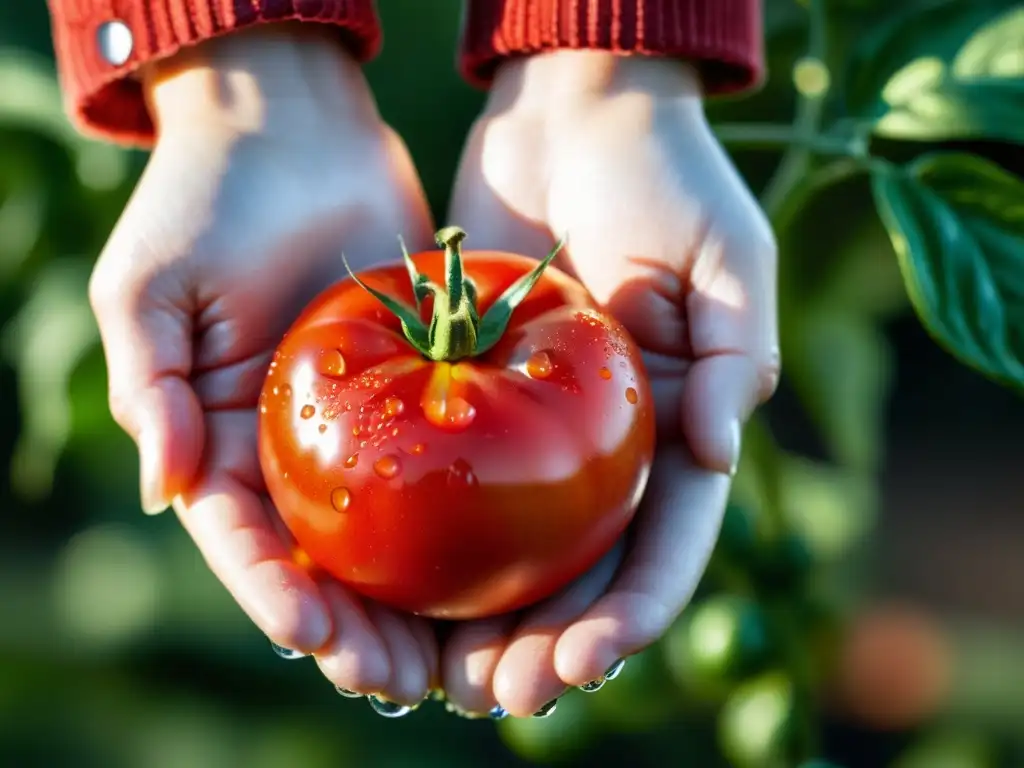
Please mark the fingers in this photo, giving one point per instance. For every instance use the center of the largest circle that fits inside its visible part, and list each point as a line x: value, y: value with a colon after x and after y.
x: 733, y: 334
x: 409, y: 680
x: 469, y: 659
x: 681, y: 517
x: 526, y: 678
x: 232, y: 530
x: 146, y: 332
x: 356, y: 658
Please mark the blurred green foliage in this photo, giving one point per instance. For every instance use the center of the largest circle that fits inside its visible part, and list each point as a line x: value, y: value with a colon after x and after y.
x: 118, y: 648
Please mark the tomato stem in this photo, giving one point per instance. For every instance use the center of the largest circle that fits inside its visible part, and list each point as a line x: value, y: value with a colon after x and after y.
x: 456, y: 329
x: 455, y: 324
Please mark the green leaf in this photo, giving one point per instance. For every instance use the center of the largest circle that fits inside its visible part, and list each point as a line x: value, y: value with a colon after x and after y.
x: 951, y: 71
x: 926, y: 102
x: 995, y: 50
x: 839, y: 364
x: 414, y: 329
x: 495, y: 320
x: 957, y: 224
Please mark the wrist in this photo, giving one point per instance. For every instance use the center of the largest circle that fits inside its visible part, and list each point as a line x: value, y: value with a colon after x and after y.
x: 559, y: 81
x: 286, y: 80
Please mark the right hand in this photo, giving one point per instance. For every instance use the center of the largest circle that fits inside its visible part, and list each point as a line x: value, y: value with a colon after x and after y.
x: 271, y: 160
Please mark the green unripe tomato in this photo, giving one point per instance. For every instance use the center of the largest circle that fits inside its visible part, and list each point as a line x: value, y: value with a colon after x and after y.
x: 761, y: 725
x: 718, y: 642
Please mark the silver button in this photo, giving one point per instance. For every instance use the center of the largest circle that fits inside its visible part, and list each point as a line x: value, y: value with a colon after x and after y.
x: 115, y: 42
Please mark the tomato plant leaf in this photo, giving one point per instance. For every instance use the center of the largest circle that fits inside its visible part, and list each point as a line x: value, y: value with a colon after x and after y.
x: 413, y: 327
x: 957, y: 225
x: 952, y: 71
x: 495, y: 320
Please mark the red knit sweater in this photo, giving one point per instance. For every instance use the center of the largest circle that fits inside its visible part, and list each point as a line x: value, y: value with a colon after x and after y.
x: 96, y: 58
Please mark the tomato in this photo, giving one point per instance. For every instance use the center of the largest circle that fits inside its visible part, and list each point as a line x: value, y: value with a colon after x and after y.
x: 470, y: 458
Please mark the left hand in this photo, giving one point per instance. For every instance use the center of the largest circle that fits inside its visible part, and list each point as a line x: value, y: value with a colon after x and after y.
x: 616, y: 153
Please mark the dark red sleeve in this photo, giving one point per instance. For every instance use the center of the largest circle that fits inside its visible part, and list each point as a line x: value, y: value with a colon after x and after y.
x: 101, y: 43
x: 724, y: 38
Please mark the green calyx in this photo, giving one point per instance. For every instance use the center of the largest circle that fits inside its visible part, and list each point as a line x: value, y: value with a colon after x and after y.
x: 456, y: 330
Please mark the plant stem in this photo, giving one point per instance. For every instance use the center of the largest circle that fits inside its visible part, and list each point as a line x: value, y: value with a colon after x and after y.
x: 777, y: 135
x: 787, y: 183
x: 806, y: 125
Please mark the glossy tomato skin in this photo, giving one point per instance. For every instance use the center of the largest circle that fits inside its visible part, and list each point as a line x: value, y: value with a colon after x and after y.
x: 457, y: 490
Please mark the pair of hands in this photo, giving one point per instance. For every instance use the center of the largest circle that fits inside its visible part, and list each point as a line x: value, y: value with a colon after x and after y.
x: 271, y: 159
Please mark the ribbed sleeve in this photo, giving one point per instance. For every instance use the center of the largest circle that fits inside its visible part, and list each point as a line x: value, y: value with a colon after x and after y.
x: 101, y: 43
x: 724, y: 38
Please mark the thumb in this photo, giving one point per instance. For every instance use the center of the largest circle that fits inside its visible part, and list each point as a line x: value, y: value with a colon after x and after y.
x: 731, y: 311
x: 146, y: 329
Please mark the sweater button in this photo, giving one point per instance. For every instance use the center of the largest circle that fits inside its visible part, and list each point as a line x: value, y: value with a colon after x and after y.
x: 115, y: 42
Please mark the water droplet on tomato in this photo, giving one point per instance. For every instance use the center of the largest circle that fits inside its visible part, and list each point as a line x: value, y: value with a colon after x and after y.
x: 386, y: 708
x: 286, y: 391
x: 460, y: 474
x: 538, y: 365
x: 417, y: 449
x: 341, y: 498
x: 631, y: 396
x: 393, y: 407
x: 451, y: 413
x: 332, y: 363
x: 322, y: 428
x: 394, y: 432
x: 307, y: 411
x: 286, y: 653
x: 275, y: 391
x: 263, y: 408
x: 356, y: 430
x: 593, y: 686
x: 347, y: 693
x: 615, y: 670
x: 547, y: 710
x: 387, y: 466
x: 604, y: 373
x: 351, y: 461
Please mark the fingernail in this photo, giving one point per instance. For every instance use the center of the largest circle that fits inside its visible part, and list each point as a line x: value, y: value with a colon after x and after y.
x: 593, y: 686
x: 734, y: 446
x: 149, y: 473
x: 547, y: 710
x: 348, y: 694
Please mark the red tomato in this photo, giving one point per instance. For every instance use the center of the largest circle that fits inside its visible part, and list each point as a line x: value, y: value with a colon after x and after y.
x: 456, y: 488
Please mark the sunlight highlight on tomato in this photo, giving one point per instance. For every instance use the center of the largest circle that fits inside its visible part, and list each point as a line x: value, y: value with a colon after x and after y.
x: 455, y: 443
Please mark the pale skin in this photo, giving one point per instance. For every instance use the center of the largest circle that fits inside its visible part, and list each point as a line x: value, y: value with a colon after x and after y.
x: 271, y: 159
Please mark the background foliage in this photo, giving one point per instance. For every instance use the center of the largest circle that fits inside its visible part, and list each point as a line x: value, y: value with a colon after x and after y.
x: 883, y: 149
